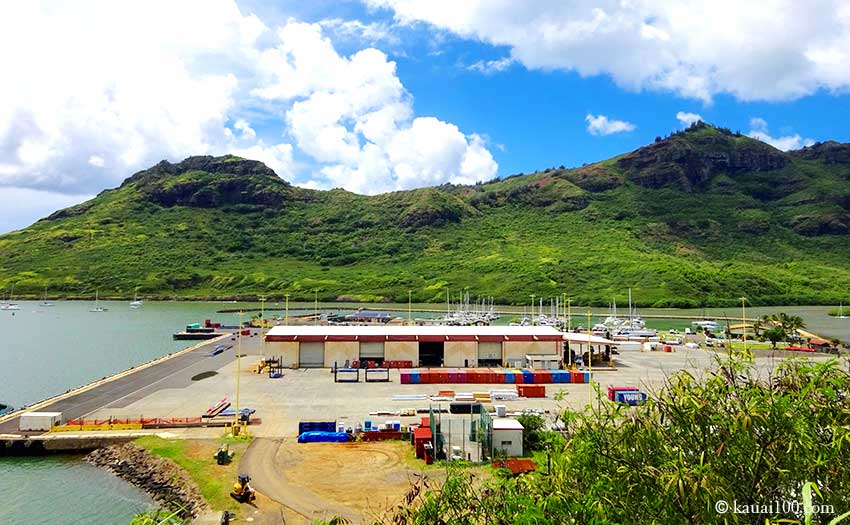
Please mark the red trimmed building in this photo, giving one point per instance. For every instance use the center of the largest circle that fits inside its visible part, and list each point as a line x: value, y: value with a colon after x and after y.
x: 426, y: 346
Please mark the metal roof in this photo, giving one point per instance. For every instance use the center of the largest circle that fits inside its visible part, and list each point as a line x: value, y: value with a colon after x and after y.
x: 506, y: 423
x: 335, y: 330
x: 427, y: 333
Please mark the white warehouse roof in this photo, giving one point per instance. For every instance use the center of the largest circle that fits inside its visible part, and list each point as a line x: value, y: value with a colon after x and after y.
x: 506, y: 423
x: 399, y: 330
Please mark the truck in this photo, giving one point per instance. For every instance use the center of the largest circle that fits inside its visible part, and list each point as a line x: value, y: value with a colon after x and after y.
x: 39, y: 421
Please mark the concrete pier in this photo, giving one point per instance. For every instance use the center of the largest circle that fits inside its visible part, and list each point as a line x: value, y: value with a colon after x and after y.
x: 132, y: 384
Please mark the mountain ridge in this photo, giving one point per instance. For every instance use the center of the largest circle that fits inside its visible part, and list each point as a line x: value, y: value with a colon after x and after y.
x: 700, y: 217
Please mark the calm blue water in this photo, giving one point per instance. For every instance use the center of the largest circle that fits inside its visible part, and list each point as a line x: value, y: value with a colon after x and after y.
x: 46, y: 351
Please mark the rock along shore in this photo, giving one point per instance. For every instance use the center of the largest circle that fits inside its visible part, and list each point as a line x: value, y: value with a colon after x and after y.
x: 165, y: 481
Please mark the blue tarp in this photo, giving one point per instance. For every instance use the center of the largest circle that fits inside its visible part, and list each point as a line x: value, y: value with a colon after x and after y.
x: 323, y: 437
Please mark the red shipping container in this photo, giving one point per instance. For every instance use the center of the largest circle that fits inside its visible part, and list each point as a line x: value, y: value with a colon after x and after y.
x: 463, y: 377
x: 424, y: 376
x: 612, y: 390
x: 405, y: 377
x: 519, y: 377
x: 576, y: 376
x: 453, y: 376
x: 531, y: 390
x: 542, y: 377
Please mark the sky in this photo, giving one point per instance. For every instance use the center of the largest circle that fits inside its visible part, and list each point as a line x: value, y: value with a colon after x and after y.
x: 383, y: 95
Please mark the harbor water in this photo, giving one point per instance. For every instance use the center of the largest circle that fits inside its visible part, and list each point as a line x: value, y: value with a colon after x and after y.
x: 48, y: 350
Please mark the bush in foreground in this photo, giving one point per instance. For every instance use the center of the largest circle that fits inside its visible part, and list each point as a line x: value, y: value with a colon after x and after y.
x: 741, y: 435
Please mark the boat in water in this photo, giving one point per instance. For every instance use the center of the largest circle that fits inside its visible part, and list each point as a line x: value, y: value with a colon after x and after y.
x: 9, y: 305
x: 44, y: 302
x: 97, y: 308
x: 5, y: 409
x: 136, y: 302
x: 841, y: 314
x: 632, y: 327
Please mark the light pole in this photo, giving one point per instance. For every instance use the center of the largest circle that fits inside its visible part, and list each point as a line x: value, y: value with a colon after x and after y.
x: 743, y: 322
x: 263, y: 322
x: 409, y: 305
x: 532, y: 308
x: 316, y: 306
x: 238, y: 372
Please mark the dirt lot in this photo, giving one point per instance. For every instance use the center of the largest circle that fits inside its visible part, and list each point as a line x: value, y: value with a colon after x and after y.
x: 358, y: 481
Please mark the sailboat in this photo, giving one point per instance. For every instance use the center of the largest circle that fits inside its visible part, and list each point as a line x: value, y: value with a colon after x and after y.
x: 841, y: 312
x: 136, y: 303
x: 97, y: 308
x: 9, y: 305
x: 44, y: 301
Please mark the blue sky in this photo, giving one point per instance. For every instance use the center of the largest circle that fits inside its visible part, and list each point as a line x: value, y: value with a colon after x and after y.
x: 380, y: 95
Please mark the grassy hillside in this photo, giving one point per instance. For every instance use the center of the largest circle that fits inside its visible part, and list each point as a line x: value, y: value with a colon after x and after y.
x: 699, y: 218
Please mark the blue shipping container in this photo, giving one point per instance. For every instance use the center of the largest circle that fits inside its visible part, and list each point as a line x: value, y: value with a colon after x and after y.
x: 316, y: 426
x: 528, y: 377
x: 509, y: 377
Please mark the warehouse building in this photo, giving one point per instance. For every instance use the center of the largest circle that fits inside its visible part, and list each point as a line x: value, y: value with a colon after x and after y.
x: 422, y: 346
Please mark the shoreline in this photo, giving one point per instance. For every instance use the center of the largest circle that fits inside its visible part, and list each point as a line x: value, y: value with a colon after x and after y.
x: 374, y: 305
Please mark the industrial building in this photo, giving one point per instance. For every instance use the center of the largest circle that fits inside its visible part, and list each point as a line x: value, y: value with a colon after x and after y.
x: 422, y: 346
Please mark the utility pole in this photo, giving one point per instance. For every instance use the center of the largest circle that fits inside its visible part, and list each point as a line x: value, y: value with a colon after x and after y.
x: 532, y: 309
x: 263, y: 322
x: 316, y: 306
x: 238, y: 372
x: 743, y: 323
x: 409, y: 305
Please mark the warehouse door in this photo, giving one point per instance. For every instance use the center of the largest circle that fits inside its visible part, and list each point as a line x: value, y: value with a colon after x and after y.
x: 311, y: 355
x: 431, y: 353
x: 489, y: 354
x: 372, y: 352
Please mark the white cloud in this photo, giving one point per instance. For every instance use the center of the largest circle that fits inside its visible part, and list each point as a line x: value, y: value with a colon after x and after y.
x: 770, y: 50
x: 104, y: 89
x: 601, y: 125
x: 758, y: 124
x: 759, y: 130
x: 686, y: 119
x: 372, y: 32
x: 202, y: 77
x: 492, y: 66
x: 353, y: 116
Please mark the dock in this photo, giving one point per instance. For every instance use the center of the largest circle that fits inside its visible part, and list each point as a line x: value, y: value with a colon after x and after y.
x: 135, y: 383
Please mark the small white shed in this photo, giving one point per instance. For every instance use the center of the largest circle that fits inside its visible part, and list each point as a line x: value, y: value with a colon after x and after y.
x: 507, y: 436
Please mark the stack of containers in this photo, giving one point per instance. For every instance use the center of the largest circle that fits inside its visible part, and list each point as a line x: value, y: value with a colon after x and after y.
x: 405, y: 377
x: 509, y: 376
x: 425, y: 377
x: 612, y: 390
x: 528, y: 377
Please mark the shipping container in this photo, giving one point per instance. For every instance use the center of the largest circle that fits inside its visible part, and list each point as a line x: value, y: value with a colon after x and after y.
x: 39, y: 421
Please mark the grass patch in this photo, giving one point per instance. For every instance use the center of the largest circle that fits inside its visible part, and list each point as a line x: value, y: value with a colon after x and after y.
x: 196, y: 458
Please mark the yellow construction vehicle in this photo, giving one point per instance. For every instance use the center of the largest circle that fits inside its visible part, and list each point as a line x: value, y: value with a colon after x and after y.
x: 242, y: 490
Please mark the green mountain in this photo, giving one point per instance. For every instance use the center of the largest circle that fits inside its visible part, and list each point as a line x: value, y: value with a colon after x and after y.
x: 701, y: 217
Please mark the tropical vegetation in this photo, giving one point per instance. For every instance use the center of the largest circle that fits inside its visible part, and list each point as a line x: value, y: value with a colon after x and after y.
x: 701, y: 217
x: 736, y: 436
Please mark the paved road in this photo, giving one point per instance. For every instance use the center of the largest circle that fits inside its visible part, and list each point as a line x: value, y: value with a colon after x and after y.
x: 136, y: 385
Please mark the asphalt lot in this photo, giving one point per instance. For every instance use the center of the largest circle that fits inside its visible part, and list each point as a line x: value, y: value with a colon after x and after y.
x: 172, y: 373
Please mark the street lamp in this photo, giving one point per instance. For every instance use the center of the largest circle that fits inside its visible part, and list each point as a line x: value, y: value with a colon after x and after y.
x: 744, y: 321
